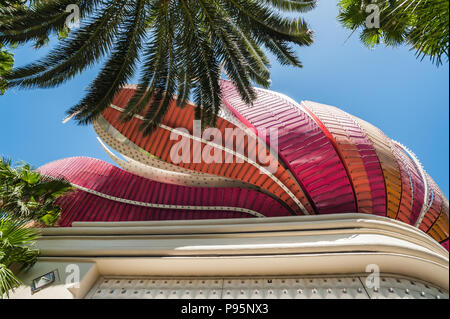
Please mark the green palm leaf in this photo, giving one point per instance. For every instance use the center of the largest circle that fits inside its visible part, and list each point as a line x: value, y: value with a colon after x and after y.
x: 16, y: 247
x: 421, y: 24
x: 177, y: 47
x: 25, y: 194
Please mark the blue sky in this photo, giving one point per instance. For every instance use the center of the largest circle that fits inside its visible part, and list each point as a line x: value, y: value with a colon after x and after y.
x: 387, y: 87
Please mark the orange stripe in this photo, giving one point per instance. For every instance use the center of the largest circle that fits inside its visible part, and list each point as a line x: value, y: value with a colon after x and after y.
x: 159, y: 144
x: 389, y: 166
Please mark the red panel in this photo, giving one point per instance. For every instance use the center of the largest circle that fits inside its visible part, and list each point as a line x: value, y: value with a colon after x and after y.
x: 109, y: 180
x: 445, y: 244
x: 435, y: 204
x: 303, y: 146
x: 158, y: 144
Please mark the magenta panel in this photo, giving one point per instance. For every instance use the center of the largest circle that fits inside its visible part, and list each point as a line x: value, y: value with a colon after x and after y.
x: 303, y: 146
x: 323, y: 147
x: 445, y: 244
x: 407, y: 198
x: 434, y: 204
x: 418, y: 189
x: 368, y: 155
x: 109, y: 180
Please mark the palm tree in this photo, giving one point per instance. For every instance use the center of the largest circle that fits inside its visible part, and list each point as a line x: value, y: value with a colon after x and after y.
x: 6, y: 56
x: 27, y: 195
x: 16, y: 248
x: 421, y: 24
x: 179, y: 47
x: 6, y: 64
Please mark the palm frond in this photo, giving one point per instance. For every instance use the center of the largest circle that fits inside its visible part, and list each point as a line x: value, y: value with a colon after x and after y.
x: 7, y: 281
x: 179, y: 47
x: 16, y: 247
x: 26, y: 194
x: 421, y: 24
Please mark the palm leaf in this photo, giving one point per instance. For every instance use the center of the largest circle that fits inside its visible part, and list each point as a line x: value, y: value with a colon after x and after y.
x: 177, y: 46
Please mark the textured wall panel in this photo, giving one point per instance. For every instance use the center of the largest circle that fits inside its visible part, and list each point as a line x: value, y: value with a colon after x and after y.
x: 383, y: 147
x: 418, y: 189
x: 445, y: 244
x: 434, y: 204
x: 313, y: 287
x: 101, y: 185
x: 329, y: 162
x: 280, y: 184
x: 303, y: 146
x: 148, y: 166
x: 440, y: 229
x: 345, y: 138
x: 407, y: 199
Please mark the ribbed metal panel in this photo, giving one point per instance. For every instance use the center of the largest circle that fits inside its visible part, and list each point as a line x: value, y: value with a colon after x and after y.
x: 345, y: 135
x: 445, y: 244
x: 303, y: 146
x: 159, y: 144
x: 391, y: 171
x: 440, y: 229
x: 408, y: 196
x: 330, y: 162
x: 434, y: 204
x: 107, y: 183
x: 418, y: 186
x: 144, y: 164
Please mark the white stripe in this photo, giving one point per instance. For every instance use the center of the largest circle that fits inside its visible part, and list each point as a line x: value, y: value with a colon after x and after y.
x: 416, y: 161
x: 157, y: 169
x: 164, y: 206
x: 262, y: 169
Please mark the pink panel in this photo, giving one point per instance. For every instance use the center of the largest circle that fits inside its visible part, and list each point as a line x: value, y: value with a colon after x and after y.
x: 367, y: 154
x: 109, y: 180
x: 418, y: 189
x: 303, y: 146
x: 435, y: 205
x: 445, y: 244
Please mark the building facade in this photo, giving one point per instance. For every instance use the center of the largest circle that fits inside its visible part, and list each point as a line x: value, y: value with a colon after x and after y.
x: 279, y: 200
